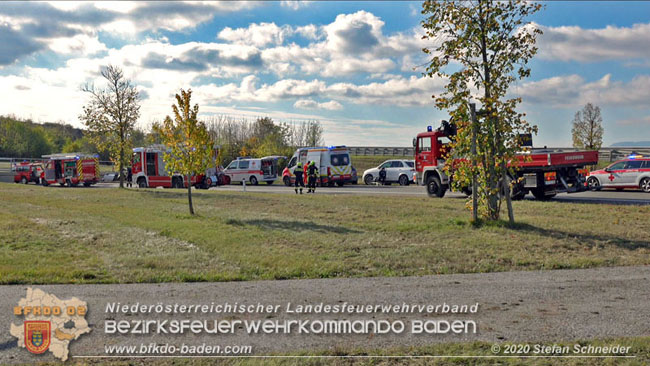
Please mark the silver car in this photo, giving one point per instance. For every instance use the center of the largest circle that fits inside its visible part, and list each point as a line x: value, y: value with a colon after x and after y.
x: 397, y: 171
x: 626, y: 173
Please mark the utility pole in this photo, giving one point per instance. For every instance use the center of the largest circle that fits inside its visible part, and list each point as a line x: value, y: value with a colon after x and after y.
x: 472, y: 108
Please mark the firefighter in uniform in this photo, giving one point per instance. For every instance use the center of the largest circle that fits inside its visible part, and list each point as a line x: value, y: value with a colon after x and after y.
x: 298, y: 170
x: 313, y: 172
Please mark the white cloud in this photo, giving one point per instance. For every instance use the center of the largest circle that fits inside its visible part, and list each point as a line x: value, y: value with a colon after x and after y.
x: 80, y: 44
x: 332, y: 105
x: 258, y: 35
x: 573, y: 43
x: 573, y: 90
x: 294, y: 4
x: 639, y: 121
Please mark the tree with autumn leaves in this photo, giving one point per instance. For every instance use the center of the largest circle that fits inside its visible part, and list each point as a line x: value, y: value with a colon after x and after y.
x: 481, y: 48
x: 190, y: 146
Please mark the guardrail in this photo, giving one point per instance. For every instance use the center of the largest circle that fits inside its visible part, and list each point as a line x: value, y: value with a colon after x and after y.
x: 605, y: 153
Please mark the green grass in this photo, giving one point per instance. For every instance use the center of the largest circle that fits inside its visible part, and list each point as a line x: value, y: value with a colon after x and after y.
x: 639, y: 348
x: 101, y: 235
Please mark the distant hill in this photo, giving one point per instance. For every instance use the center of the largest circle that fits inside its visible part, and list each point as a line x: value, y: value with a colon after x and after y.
x: 632, y: 143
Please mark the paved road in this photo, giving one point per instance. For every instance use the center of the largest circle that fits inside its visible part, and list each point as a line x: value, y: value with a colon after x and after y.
x: 606, y: 196
x: 633, y: 197
x: 560, y: 305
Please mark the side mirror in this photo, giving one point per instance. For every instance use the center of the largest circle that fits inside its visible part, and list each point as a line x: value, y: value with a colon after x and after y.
x: 415, y: 142
x: 608, y: 170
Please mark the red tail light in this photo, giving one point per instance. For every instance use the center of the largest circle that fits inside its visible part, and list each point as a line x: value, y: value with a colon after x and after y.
x: 329, y: 173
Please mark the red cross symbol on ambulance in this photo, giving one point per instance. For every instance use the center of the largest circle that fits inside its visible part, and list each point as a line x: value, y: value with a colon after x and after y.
x: 611, y: 177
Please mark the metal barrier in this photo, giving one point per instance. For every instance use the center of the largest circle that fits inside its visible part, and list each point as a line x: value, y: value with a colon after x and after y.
x: 605, y: 153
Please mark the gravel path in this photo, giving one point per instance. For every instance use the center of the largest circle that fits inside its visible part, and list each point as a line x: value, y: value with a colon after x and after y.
x: 513, y: 306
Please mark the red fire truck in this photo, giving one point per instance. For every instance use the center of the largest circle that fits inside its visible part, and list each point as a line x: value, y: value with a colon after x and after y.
x: 542, y: 172
x: 71, y: 169
x: 148, y: 170
x: 27, y: 172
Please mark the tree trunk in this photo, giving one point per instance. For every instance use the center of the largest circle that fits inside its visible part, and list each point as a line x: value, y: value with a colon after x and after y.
x: 189, y: 194
x: 120, y: 162
x: 506, y: 189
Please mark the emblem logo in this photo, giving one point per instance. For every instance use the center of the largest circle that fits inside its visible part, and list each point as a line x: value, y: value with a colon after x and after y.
x: 37, y: 335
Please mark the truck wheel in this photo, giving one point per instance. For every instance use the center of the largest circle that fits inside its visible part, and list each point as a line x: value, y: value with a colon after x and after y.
x: 287, y: 181
x: 466, y: 191
x: 593, y: 184
x: 253, y: 180
x: 340, y: 184
x: 68, y: 183
x: 23, y: 180
x: 368, y: 179
x: 87, y: 184
x: 142, y: 183
x: 403, y: 180
x: 645, y: 185
x: 269, y: 182
x: 434, y: 187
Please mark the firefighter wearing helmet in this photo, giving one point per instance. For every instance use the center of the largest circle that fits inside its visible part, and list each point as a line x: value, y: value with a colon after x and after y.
x: 297, y: 171
x: 313, y: 171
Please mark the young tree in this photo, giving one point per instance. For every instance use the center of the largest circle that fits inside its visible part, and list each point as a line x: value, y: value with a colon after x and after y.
x: 188, y: 140
x: 492, y: 43
x: 587, y: 128
x: 111, y: 115
x: 313, y: 133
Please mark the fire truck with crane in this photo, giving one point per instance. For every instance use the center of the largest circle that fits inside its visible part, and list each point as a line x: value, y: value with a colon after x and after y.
x: 542, y: 172
x: 71, y: 169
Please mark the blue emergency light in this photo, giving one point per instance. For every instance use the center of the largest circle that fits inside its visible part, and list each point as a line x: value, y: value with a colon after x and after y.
x: 634, y: 156
x: 429, y: 128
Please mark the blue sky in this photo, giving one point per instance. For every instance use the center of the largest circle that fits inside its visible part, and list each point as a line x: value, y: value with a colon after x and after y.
x: 347, y: 64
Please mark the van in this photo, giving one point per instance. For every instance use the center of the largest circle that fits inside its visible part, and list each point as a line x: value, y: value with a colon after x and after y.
x: 333, y: 162
x: 253, y: 170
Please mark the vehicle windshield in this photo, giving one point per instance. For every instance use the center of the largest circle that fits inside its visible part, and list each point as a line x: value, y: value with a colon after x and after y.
x: 617, y: 166
x: 232, y: 165
x: 340, y: 159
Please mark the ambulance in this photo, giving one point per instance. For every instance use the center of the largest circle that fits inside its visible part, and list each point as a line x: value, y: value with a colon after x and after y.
x: 71, y: 169
x: 253, y: 171
x: 148, y: 170
x: 333, y: 162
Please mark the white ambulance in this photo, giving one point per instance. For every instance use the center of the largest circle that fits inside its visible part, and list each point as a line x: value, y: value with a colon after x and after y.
x: 333, y: 162
x: 253, y: 171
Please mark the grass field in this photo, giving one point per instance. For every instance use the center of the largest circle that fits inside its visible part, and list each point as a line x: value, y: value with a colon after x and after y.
x: 639, y: 350
x: 102, y: 235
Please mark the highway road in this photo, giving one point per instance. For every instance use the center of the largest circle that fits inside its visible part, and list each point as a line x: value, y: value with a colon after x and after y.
x: 627, y: 197
x: 605, y: 196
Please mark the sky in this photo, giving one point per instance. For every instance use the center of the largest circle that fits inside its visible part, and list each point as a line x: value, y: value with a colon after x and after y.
x: 357, y: 67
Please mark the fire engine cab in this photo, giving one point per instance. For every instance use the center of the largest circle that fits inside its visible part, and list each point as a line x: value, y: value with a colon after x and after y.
x: 148, y: 170
x: 71, y: 169
x: 26, y: 172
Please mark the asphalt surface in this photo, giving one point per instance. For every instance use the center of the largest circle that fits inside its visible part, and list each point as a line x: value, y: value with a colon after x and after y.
x: 535, y: 306
x: 605, y: 196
